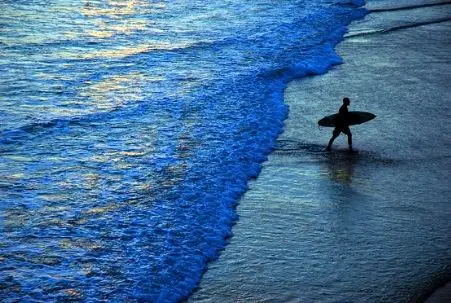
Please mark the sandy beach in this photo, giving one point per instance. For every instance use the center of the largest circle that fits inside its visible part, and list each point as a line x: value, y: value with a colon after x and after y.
x: 318, y: 227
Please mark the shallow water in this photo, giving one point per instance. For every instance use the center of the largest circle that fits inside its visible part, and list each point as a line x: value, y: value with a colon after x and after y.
x: 129, y: 131
x: 372, y: 226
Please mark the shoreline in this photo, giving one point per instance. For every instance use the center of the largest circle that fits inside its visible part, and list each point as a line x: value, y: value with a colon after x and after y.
x: 300, y: 190
x: 438, y: 290
x: 439, y: 295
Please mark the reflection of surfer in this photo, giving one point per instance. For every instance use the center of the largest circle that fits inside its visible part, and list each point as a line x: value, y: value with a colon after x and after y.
x: 342, y: 124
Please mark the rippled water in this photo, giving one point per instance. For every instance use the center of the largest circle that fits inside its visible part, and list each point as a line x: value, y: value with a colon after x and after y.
x: 129, y: 130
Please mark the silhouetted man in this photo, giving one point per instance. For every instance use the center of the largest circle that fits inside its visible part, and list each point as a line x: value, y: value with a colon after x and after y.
x: 342, y: 124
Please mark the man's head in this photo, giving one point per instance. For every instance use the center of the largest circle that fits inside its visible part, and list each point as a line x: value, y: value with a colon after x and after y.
x: 346, y: 101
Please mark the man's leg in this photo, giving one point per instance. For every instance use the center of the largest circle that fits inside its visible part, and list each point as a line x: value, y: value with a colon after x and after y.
x: 347, y: 131
x: 335, y: 134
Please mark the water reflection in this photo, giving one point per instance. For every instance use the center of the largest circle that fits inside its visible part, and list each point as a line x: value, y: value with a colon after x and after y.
x: 114, y: 17
x: 114, y: 8
x: 125, y: 51
x: 114, y: 91
x: 339, y: 166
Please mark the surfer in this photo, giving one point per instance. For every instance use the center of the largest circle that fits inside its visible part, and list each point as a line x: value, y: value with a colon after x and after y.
x: 342, y: 124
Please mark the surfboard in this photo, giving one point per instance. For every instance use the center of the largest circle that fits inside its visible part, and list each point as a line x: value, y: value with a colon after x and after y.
x: 353, y: 119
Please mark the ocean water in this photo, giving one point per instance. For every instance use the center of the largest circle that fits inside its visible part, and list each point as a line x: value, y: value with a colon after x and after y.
x: 130, y: 129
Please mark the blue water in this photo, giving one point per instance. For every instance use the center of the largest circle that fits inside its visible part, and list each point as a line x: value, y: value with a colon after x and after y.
x: 130, y: 129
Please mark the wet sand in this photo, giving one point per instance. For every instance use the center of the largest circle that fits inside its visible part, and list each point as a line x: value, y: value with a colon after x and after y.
x: 370, y: 227
x: 443, y: 294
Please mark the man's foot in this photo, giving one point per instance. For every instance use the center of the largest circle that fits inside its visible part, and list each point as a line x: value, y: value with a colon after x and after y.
x: 328, y: 148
